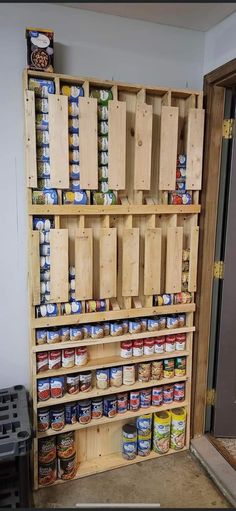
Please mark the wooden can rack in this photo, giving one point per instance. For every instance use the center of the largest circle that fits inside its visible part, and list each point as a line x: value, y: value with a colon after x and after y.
x: 130, y: 252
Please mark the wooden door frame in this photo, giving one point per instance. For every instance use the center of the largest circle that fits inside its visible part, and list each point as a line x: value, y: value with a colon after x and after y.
x: 214, y: 86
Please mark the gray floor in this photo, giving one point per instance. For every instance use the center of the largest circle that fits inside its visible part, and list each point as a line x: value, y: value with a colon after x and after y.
x: 177, y: 481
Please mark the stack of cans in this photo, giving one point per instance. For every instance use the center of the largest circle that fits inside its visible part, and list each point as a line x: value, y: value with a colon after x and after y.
x: 185, y: 269
x: 180, y: 195
x: 43, y: 225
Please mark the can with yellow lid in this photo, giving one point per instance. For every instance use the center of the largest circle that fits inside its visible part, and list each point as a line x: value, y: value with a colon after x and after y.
x: 161, y: 432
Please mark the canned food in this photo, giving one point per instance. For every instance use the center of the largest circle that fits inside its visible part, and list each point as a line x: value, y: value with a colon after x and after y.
x: 68, y: 357
x: 102, y: 113
x: 170, y: 343
x: 74, y: 170
x: 66, y: 445
x: 53, y: 335
x: 81, y: 356
x: 169, y: 368
x: 172, y: 321
x: 57, y: 386
x: 72, y: 384
x: 67, y: 468
x: 74, y: 307
x: 47, y: 449
x: 153, y: 324
x: 134, y: 400
x: 41, y: 105
x: 138, y: 348
x: 144, y: 372
x: 159, y: 344
x: 178, y: 428
x: 73, y: 92
x: 103, y: 158
x: 116, y: 328
x: 86, y: 331
x: 106, y: 329
x: 144, y: 424
x: 41, y: 336
x: 54, y: 359
x: 102, y: 96
x: 43, y: 389
x: 44, y: 237
x: 122, y: 402
x: 144, y: 444
x: 45, y: 275
x: 85, y: 381
x: 102, y: 378
x: 103, y: 128
x: 42, y: 138
x: 179, y: 197
x: 41, y: 121
x: 73, y: 109
x: 57, y: 416
x: 95, y: 306
x: 181, y: 320
x: 103, y: 143
x: 179, y: 391
x: 157, y: 370
x: 42, y: 361
x: 126, y: 349
x: 186, y: 254
x: 180, y: 342
x: 76, y: 333
x: 143, y: 322
x: 129, y: 442
x: 44, y: 262
x: 165, y: 299
x: 43, y: 419
x: 148, y: 346
x: 145, y: 398
x: 161, y: 432
x: 45, y: 286
x: 180, y: 366
x: 42, y: 224
x: 110, y: 406
x: 44, y: 251
x: 74, y: 141
x: 97, y: 408
x: 125, y: 326
x: 129, y: 375
x: 96, y: 331
x: 71, y: 413
x: 135, y: 326
x: 84, y: 413
x: 47, y: 473
x: 157, y: 396
x: 116, y: 374
x: 168, y: 394
x: 183, y: 297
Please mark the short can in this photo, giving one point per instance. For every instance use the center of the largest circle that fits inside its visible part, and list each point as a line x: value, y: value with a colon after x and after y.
x: 160, y: 344
x: 144, y: 444
x: 180, y: 342
x: 43, y: 419
x: 129, y: 442
x: 103, y: 143
x: 44, y: 262
x: 66, y: 468
x: 66, y: 445
x: 153, y: 324
x: 122, y: 402
x: 181, y: 320
x: 116, y: 328
x: 68, y: 357
x: 76, y: 333
x: 148, y: 346
x: 144, y: 371
x: 144, y: 424
x: 183, y: 297
x: 102, y: 378
x: 170, y: 343
x: 110, y: 406
x: 43, y: 389
x: 157, y: 396
x: 180, y: 366
x: 145, y: 398
x: 96, y: 331
x: 129, y: 374
x: 134, y: 326
x: 44, y: 249
x: 53, y: 335
x: 125, y: 326
x: 116, y: 374
x: 81, y: 356
x: 97, y: 407
x: 47, y: 449
x: 42, y: 361
x: 57, y: 418
x: 41, y: 336
x: 144, y: 322
x: 106, y: 328
x: 84, y: 412
x: 57, y: 386
x: 138, y: 348
x: 172, y: 321
x: 134, y: 400
x: 169, y: 368
x: 54, y: 359
x: 126, y: 349
x: 47, y: 473
x: 45, y: 276
x: 71, y: 413
x: 179, y: 391
x: 85, y: 381
x: 157, y: 370
x: 103, y: 158
x: 72, y: 383
x: 168, y: 394
x: 86, y: 331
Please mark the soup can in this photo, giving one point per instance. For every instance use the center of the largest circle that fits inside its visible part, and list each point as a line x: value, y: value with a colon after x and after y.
x: 68, y: 357
x: 138, y: 348
x: 41, y: 336
x: 180, y: 366
x: 126, y: 349
x: 67, y: 468
x: 157, y: 396
x: 116, y: 374
x: 181, y: 320
x: 169, y: 368
x: 170, y: 343
x: 143, y: 322
x: 157, y: 370
x: 129, y: 442
x: 110, y: 406
x: 54, y: 359
x: 125, y: 326
x: 106, y: 328
x: 84, y: 412
x: 134, y: 400
x: 160, y: 344
x: 148, y: 346
x: 57, y: 386
x: 42, y: 361
x: 43, y: 419
x: 72, y: 383
x: 66, y: 445
x: 161, y: 432
x: 122, y: 402
x: 76, y: 333
x: 43, y: 389
x: 71, y: 413
x: 81, y: 356
x: 179, y: 391
x: 153, y: 324
x: 47, y: 473
x: 162, y: 322
x: 129, y: 374
x: 144, y: 372
x: 97, y: 407
x: 47, y: 449
x: 86, y: 331
x: 85, y: 381
x: 180, y: 342
x: 145, y: 398
x: 144, y: 424
x: 178, y: 428
x: 168, y: 394
x: 102, y: 378
x: 57, y: 417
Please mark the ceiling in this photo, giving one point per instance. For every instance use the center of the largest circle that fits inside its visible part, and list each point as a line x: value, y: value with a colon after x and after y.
x: 196, y: 16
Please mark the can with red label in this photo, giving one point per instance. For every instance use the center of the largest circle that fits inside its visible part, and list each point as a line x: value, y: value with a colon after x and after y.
x: 126, y: 349
x: 81, y: 356
x: 54, y: 359
x: 145, y: 398
x: 42, y: 361
x: 57, y: 386
x: 179, y: 391
x: 68, y: 357
x: 180, y: 342
x: 122, y: 402
x: 138, y: 348
x: 170, y: 343
x: 168, y: 394
x: 148, y: 346
x: 157, y: 396
x: 134, y: 400
x: 159, y: 344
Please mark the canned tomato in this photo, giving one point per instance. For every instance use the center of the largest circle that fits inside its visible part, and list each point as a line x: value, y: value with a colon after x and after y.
x: 110, y: 406
x: 122, y: 402
x: 66, y: 445
x: 85, y: 382
x: 138, y: 348
x: 126, y: 349
x: 180, y: 366
x: 57, y: 386
x: 157, y: 396
x: 145, y: 398
x: 57, y: 416
x: 180, y: 342
x: 84, y: 413
x: 97, y: 408
x: 179, y: 391
x: 46, y: 449
x: 47, y: 473
x: 65, y: 333
x: 72, y: 384
x: 43, y: 419
x: 116, y: 328
x: 170, y: 343
x: 102, y: 378
x: 54, y: 360
x: 129, y: 375
x: 172, y: 321
x: 169, y: 368
x: 67, y: 468
x: 144, y: 372
x: 41, y: 336
x: 168, y: 394
x: 43, y: 389
x: 53, y: 335
x: 157, y: 370
x: 134, y: 400
x: 159, y: 344
x: 81, y: 356
x: 134, y: 326
x: 71, y: 413
x: 116, y: 374
x: 148, y: 346
x: 68, y: 357
x: 76, y: 333
x: 42, y: 361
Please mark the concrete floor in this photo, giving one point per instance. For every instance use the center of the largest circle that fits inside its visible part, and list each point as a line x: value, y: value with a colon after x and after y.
x: 177, y: 481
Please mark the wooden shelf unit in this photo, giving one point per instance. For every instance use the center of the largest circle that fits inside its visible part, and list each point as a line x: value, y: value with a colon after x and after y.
x: 140, y: 240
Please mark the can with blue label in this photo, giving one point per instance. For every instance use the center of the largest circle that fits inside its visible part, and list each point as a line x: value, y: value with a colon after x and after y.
x: 43, y: 170
x: 122, y: 402
x: 44, y: 249
x: 70, y: 197
x: 76, y: 333
x: 144, y: 444
x: 41, y: 87
x: 42, y: 138
x: 42, y: 122
x: 42, y: 224
x: 41, y: 336
x: 145, y: 398
x: 116, y: 328
x: 153, y: 324
x: 73, y: 92
x: 116, y: 376
x: 74, y: 171
x: 74, y: 307
x: 96, y: 331
x: 84, y: 412
x: 129, y: 441
x: 97, y: 407
x: 106, y: 328
x: 49, y: 310
x: 45, y: 276
x: 74, y: 156
x: 71, y: 413
x: 86, y: 329
x: 172, y: 321
x: 65, y: 333
x: 144, y: 424
x: 74, y: 141
x: 53, y: 335
x: 44, y: 237
x: 47, y: 197
x: 134, y: 326
x: 110, y: 406
x: 74, y: 125
x: 57, y: 418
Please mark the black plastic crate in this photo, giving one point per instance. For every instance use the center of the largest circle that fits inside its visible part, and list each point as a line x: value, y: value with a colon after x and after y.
x: 15, y: 429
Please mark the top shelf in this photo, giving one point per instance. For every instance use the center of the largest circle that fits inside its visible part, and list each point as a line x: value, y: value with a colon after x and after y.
x: 147, y: 209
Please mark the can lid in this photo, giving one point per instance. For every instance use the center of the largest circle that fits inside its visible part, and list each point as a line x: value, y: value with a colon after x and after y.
x: 58, y: 409
x: 73, y: 403
x: 43, y: 410
x: 85, y: 402
x: 130, y: 429
x: 97, y: 400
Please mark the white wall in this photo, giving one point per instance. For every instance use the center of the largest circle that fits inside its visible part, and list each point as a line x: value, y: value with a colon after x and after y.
x: 88, y: 44
x: 220, y: 44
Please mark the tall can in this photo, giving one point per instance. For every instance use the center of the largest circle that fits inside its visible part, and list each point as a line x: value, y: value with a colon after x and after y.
x: 178, y: 428
x: 161, y: 432
x: 129, y: 442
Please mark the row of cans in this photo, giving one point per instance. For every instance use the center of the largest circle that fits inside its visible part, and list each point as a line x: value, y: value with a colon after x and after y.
x: 172, y: 299
x: 152, y: 345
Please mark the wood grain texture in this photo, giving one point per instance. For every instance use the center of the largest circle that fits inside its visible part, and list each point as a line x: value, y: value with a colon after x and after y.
x: 84, y: 264
x: 192, y: 281
x: 117, y: 145
x: 168, y: 147
x: 194, y: 148
x: 59, y: 265
x: 143, y: 147
x: 130, y: 262
x: 174, y: 249
x: 30, y: 139
x: 88, y: 144
x: 58, y: 140
x: 108, y: 263
x: 152, y: 261
x: 35, y: 267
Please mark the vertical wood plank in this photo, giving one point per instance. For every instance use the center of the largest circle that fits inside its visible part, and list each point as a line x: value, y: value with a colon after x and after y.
x: 194, y: 148
x: 84, y: 264
x: 143, y: 147
x: 117, y: 144
x: 168, y: 147
x: 35, y: 267
x: 58, y: 140
x: 88, y: 143
x: 192, y: 282
x: 59, y: 265
x: 152, y: 261
x: 30, y: 139
x: 174, y: 251
x: 130, y: 262
x: 108, y: 263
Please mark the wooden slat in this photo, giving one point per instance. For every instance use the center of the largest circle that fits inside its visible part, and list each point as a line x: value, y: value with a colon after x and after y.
x: 58, y: 140
x: 59, y: 265
x: 117, y: 145
x: 30, y: 139
x: 194, y: 236
x: 174, y: 251
x: 88, y: 144
x: 108, y: 263
x: 132, y: 209
x: 84, y: 264
x: 168, y: 147
x: 194, y: 148
x: 143, y: 147
x: 35, y: 267
x: 130, y: 262
x: 152, y: 261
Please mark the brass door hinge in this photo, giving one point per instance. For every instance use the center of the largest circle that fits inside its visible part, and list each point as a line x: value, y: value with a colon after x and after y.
x: 211, y: 396
x: 219, y: 269
x: 228, y: 128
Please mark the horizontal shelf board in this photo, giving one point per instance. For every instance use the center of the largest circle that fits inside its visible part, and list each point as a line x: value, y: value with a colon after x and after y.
x: 111, y: 390
x: 110, y: 339
x: 118, y: 417
x: 92, y: 317
x: 110, y: 362
x: 111, y: 462
x: 144, y: 209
